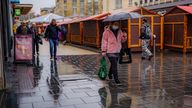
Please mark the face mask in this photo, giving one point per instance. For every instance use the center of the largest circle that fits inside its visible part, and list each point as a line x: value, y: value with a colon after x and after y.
x: 115, y: 27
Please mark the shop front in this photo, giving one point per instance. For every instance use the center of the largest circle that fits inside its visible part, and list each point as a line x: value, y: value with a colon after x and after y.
x: 4, y: 38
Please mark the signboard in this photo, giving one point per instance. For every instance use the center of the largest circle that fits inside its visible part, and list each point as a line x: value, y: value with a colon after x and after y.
x: 23, y: 48
x: 14, y: 1
x: 17, y: 12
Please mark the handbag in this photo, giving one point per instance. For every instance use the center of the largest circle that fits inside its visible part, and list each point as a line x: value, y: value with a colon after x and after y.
x: 125, y: 58
x: 39, y: 40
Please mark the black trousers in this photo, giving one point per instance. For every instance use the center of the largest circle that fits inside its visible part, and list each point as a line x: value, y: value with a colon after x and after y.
x: 122, y: 52
x: 35, y: 46
x: 113, y: 69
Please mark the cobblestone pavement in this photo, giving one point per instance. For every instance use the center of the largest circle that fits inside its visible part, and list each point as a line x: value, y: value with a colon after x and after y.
x: 72, y: 82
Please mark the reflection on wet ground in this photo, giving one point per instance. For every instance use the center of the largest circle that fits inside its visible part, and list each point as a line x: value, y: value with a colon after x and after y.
x: 71, y: 82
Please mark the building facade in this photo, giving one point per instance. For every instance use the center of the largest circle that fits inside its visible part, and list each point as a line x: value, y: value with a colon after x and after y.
x: 70, y: 8
x: 115, y: 5
x: 44, y: 11
x: 164, y: 7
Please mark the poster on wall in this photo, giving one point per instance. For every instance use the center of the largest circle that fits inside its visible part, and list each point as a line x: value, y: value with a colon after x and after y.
x: 23, y: 48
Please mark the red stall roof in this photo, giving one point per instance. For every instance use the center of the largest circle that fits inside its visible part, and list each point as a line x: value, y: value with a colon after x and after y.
x: 142, y: 8
x: 65, y: 22
x: 96, y: 17
x: 69, y: 21
x: 187, y: 9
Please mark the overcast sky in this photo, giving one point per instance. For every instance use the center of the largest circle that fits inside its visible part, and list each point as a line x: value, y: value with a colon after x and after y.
x: 37, y: 4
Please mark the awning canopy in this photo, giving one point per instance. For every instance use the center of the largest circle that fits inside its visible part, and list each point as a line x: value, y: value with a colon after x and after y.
x: 66, y: 21
x: 25, y: 8
x: 47, y: 18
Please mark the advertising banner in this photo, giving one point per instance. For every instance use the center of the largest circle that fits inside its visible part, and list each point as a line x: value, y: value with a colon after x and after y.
x: 23, y: 48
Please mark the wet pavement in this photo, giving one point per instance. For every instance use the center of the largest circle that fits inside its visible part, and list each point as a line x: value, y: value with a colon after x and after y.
x: 72, y: 82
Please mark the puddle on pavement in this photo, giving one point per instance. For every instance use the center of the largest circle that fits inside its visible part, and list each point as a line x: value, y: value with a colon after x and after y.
x: 65, y: 68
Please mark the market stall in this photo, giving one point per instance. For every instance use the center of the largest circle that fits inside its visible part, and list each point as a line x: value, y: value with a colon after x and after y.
x: 76, y: 31
x: 178, y: 29
x: 66, y: 25
x: 93, y: 29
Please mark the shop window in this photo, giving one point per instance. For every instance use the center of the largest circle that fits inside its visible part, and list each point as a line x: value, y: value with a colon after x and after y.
x: 130, y: 2
x: 74, y: 7
x: 90, y: 7
x: 118, y: 4
x: 82, y: 7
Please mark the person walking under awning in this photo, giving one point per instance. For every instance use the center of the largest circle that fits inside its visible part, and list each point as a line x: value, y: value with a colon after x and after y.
x: 51, y: 34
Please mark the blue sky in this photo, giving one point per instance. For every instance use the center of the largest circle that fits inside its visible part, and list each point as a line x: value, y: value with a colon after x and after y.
x: 37, y: 4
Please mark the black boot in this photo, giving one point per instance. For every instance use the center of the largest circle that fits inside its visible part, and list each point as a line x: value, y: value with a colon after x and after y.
x: 118, y: 82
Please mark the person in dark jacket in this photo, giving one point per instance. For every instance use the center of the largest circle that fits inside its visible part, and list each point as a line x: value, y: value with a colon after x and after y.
x: 36, y: 38
x: 127, y: 51
x: 51, y: 34
x: 23, y: 29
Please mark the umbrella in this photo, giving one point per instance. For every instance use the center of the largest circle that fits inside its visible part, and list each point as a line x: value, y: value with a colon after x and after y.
x: 46, y: 18
x: 122, y: 16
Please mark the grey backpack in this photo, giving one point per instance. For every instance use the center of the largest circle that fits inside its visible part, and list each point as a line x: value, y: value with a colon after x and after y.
x: 147, y: 32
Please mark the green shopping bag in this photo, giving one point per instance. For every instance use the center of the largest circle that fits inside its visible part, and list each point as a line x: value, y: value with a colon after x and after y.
x: 103, y: 69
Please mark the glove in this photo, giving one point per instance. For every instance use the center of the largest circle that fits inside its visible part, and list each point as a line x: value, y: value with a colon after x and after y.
x: 104, y: 53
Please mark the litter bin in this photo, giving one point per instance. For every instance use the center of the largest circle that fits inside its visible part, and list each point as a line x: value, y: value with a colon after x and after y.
x: 23, y: 49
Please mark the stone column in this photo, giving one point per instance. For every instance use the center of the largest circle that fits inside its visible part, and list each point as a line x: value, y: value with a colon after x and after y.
x: 85, y: 8
x: 78, y: 7
x: 70, y: 8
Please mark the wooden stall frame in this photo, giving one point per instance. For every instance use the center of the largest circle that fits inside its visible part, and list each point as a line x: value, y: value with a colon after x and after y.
x: 162, y: 32
x: 139, y: 29
x: 129, y: 33
x: 98, y: 35
x: 81, y: 33
x: 185, y: 34
x: 69, y: 32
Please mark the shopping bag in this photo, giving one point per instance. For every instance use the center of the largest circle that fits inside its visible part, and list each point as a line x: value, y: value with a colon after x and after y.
x: 125, y: 58
x: 103, y: 69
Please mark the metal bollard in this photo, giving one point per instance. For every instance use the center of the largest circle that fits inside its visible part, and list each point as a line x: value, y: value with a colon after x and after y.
x: 154, y: 44
x: 154, y: 51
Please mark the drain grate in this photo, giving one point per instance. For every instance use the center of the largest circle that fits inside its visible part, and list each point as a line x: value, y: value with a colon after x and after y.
x: 75, y: 79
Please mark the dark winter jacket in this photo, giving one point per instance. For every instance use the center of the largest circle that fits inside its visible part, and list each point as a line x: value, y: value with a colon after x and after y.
x: 34, y: 31
x: 52, y: 32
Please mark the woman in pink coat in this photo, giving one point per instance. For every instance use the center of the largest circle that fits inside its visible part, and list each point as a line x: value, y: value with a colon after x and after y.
x: 111, y: 46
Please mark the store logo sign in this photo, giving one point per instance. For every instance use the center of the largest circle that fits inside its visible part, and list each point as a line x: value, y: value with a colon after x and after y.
x: 17, y: 12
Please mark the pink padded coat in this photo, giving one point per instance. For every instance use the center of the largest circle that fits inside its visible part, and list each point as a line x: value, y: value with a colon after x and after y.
x: 111, y: 44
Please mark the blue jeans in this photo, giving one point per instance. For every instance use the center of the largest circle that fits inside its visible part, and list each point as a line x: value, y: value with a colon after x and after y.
x: 53, y: 47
